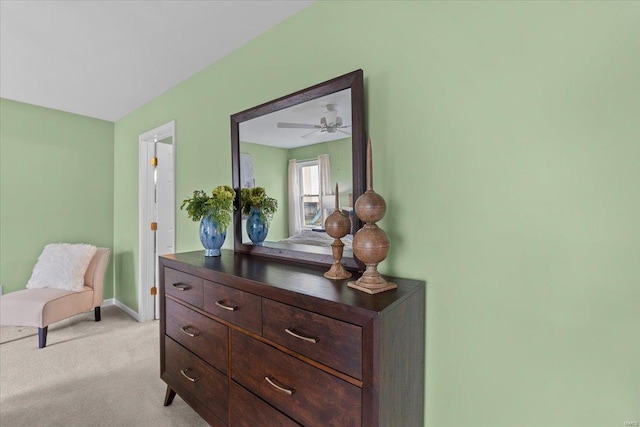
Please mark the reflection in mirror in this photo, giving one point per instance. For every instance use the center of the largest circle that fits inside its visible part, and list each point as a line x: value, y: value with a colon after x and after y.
x: 299, y: 168
x: 298, y: 153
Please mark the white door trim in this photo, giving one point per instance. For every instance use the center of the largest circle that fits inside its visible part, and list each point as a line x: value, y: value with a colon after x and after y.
x: 146, y: 239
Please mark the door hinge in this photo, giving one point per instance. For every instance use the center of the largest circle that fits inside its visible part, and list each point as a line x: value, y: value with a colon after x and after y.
x: 154, y: 226
x: 154, y: 290
x: 154, y: 161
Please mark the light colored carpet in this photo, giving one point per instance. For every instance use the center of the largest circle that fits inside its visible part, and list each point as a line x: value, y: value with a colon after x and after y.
x: 90, y: 374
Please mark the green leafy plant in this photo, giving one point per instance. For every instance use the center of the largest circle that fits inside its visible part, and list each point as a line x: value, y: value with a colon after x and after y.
x: 257, y: 198
x: 218, y: 206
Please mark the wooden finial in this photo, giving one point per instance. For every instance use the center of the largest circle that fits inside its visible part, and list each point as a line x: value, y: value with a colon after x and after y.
x: 369, y: 166
x: 337, y: 226
x: 370, y: 243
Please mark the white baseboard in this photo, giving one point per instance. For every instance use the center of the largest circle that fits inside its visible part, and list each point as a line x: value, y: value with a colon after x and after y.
x: 125, y: 308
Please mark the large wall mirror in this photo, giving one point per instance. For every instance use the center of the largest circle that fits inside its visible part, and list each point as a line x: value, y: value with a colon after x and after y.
x: 298, y: 147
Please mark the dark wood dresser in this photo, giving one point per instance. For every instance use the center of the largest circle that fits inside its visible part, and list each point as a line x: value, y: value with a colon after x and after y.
x: 252, y: 341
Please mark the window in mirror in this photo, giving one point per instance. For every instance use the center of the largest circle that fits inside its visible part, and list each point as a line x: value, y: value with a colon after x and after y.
x: 309, y: 194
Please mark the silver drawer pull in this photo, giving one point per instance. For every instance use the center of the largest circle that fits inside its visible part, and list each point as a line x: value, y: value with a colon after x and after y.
x: 184, y: 374
x: 221, y: 304
x: 181, y: 286
x: 191, y: 334
x: 289, y: 391
x: 302, y: 337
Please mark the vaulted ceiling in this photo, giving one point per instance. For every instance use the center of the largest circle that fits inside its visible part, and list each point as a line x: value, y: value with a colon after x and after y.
x: 104, y: 59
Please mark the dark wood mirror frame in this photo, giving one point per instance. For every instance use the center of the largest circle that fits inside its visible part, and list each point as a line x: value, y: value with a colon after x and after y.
x: 309, y: 255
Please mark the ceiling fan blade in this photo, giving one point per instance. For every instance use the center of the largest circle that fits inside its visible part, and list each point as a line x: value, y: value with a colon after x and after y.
x: 309, y: 134
x: 340, y: 130
x: 297, y: 126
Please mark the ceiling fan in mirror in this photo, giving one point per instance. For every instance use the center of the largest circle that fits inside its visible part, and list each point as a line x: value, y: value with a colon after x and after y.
x: 329, y: 123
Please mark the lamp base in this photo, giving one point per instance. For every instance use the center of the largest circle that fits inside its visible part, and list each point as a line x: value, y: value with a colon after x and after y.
x: 337, y: 271
x: 372, y: 282
x: 372, y: 290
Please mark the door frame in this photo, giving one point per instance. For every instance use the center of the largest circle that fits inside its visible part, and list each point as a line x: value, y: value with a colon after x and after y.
x: 146, y: 241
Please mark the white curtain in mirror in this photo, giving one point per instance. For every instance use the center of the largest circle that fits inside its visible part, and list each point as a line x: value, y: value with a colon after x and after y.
x: 294, y: 199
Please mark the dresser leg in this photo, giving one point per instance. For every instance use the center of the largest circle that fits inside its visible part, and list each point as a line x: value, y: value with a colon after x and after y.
x: 168, y: 397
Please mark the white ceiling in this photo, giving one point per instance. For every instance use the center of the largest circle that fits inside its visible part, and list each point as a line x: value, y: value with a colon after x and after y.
x: 106, y: 58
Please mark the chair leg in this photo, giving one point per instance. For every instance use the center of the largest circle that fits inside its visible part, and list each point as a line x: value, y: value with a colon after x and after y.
x: 42, y: 337
x: 97, y: 313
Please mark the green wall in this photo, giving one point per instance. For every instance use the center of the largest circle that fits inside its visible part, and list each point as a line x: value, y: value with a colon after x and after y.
x: 506, y: 144
x: 56, y: 186
x: 270, y: 171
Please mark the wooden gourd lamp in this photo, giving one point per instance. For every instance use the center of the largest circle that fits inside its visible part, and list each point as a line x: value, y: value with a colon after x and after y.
x: 370, y: 243
x: 337, y: 225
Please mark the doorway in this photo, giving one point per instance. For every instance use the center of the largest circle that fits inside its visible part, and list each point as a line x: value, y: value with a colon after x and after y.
x: 156, y: 214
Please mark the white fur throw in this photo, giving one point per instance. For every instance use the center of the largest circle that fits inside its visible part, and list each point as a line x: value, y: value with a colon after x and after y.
x: 62, y: 266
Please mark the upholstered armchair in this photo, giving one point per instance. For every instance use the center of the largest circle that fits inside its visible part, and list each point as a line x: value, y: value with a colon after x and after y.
x: 43, y: 306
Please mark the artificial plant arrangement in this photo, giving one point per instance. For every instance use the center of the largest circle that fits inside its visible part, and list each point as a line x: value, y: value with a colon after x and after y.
x: 256, y: 198
x: 218, y: 206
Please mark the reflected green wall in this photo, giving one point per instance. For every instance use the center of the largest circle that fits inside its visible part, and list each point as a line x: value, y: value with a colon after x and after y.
x: 506, y: 144
x: 270, y: 171
x: 56, y: 186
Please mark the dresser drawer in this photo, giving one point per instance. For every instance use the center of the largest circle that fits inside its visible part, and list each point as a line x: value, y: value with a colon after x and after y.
x: 205, y: 383
x: 235, y: 306
x: 203, y: 336
x: 329, y: 341
x: 184, y: 286
x: 248, y: 410
x: 301, y: 391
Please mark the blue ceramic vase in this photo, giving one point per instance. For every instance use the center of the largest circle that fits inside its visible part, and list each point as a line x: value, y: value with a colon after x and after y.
x: 211, y: 239
x: 256, y: 228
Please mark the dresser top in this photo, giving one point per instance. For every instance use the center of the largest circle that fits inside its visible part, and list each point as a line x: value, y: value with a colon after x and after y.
x: 251, y: 273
